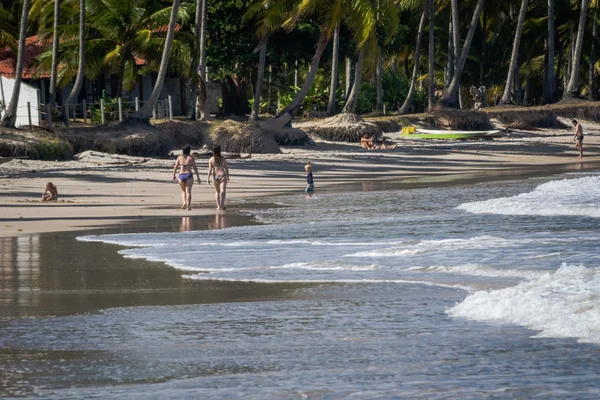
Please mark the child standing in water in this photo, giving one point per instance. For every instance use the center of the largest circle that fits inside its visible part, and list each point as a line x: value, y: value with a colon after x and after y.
x: 310, y: 183
x: 51, y: 192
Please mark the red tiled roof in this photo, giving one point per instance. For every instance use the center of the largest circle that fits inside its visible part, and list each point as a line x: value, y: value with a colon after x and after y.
x: 165, y: 28
x: 33, y: 48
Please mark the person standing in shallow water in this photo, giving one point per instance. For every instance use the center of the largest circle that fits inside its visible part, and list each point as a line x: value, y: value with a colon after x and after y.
x: 219, y: 171
x: 310, y: 182
x: 186, y: 179
x: 578, y: 136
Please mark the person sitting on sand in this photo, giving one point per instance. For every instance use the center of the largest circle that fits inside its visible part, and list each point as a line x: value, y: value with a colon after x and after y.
x: 51, y: 192
x: 368, y: 142
x: 186, y: 179
x: 578, y: 137
x: 218, y: 169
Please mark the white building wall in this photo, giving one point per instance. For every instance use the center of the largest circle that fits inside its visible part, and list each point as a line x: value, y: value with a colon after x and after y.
x: 27, y: 93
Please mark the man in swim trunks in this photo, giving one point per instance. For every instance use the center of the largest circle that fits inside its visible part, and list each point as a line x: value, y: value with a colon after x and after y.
x: 578, y: 137
x: 186, y: 179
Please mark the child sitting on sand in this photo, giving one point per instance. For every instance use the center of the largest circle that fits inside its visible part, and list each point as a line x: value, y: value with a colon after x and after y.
x: 310, y: 183
x: 51, y: 192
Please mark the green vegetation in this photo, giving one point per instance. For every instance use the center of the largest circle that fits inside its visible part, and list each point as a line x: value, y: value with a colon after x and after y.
x: 51, y: 148
x: 303, y: 53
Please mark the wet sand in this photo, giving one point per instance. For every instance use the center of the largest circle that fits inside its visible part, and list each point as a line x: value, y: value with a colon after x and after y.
x: 53, y: 274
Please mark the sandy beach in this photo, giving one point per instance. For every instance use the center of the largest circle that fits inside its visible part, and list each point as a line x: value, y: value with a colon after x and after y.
x: 103, y: 189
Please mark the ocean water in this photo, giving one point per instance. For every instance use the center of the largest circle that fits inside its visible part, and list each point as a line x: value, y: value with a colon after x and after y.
x: 489, y: 290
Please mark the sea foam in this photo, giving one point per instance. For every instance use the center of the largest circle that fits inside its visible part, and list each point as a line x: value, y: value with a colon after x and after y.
x: 563, y: 304
x: 566, y: 197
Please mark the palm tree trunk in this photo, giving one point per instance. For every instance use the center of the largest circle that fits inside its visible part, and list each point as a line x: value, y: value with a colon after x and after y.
x: 54, y: 68
x: 572, y: 89
x: 515, y: 54
x: 455, y: 31
x: 259, y: 79
x: 379, y: 81
x: 294, y: 106
x: 450, y: 62
x: 143, y: 115
x: 450, y: 98
x: 121, y: 75
x: 194, y: 76
x: 201, y: 89
x: 518, y: 85
x: 431, y: 56
x: 10, y: 116
x: 569, y: 62
x: 348, y: 81
x: 350, y: 106
x: 549, y: 89
x: 334, y: 71
x: 81, y: 68
x: 482, y: 80
x: 413, y: 82
x: 592, y: 82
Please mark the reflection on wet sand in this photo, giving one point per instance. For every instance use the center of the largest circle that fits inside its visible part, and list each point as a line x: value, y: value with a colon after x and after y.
x: 19, y: 270
x: 54, y: 274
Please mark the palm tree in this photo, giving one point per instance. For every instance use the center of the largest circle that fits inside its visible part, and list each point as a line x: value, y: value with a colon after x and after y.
x: 81, y: 68
x: 572, y: 87
x: 259, y: 80
x: 359, y: 15
x: 54, y: 67
x: 431, y: 91
x: 122, y: 31
x: 592, y: 81
x: 8, y: 25
x: 367, y: 41
x: 10, y: 117
x: 334, y: 71
x: 270, y: 15
x: 450, y: 97
x: 350, y: 106
x: 413, y: 82
x: 198, y: 71
x: 143, y: 114
x: 515, y: 54
x: 549, y: 88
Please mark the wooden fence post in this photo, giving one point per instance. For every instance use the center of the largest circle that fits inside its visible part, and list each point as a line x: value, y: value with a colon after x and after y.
x: 170, y: 107
x: 120, y: 110
x: 29, y: 112
x: 102, y: 111
x: 137, y: 104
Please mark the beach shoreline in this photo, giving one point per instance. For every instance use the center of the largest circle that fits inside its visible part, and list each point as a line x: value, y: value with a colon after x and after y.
x: 102, y: 190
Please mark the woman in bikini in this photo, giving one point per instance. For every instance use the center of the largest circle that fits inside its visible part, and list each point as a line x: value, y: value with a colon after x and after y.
x: 218, y: 169
x: 186, y: 179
